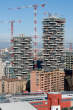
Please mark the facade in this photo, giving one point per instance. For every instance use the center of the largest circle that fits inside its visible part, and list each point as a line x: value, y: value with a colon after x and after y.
x: 68, y: 60
x: 53, y: 36
x: 2, y: 65
x: 12, y: 86
x: 8, y: 69
x: 4, y: 54
x: 21, y: 57
x: 35, y: 81
x: 47, y: 81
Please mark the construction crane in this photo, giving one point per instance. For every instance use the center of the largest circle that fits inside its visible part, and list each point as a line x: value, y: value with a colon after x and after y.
x: 12, y: 25
x: 35, y: 7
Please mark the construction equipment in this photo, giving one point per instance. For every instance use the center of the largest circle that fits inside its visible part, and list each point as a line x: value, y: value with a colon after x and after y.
x: 35, y: 43
x: 12, y: 24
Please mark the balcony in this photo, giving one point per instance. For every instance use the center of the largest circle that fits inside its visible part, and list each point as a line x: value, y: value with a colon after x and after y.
x: 27, y: 62
x: 17, y: 52
x: 18, y: 44
x: 24, y: 72
x: 24, y: 57
x: 15, y: 62
x: 48, y: 64
x: 26, y: 47
x: 30, y: 59
x: 18, y: 59
x: 46, y: 54
x: 53, y: 59
x: 46, y: 59
x: 23, y: 42
x: 45, y: 44
x: 30, y: 64
x: 15, y: 47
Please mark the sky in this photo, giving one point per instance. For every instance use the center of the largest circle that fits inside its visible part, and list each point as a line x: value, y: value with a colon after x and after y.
x: 62, y: 8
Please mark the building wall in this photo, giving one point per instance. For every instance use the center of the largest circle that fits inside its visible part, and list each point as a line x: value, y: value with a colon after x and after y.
x: 47, y: 81
x: 12, y: 86
x: 71, y: 103
x: 66, y: 104
x: 40, y: 105
x: 68, y: 59
x: 34, y: 81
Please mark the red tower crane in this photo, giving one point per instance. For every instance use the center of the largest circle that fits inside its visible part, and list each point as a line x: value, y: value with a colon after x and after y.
x: 35, y: 7
x: 12, y: 25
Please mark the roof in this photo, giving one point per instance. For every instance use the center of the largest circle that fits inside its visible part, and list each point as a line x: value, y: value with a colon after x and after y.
x: 17, y: 106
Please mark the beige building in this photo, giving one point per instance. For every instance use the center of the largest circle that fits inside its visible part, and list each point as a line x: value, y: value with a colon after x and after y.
x: 47, y: 81
x: 12, y: 86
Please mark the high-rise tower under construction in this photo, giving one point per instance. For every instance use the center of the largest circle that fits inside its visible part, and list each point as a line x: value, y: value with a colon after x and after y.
x: 21, y: 57
x: 53, y: 48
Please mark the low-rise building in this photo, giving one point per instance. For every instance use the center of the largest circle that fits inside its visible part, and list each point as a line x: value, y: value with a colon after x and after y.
x: 12, y: 85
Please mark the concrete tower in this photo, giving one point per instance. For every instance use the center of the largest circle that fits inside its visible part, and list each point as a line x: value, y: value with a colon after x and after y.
x: 53, y: 48
x: 21, y: 57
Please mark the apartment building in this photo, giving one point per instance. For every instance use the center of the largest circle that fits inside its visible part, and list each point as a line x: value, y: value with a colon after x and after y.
x: 47, y: 81
x: 12, y: 85
x: 21, y: 56
x: 69, y: 60
x: 53, y: 38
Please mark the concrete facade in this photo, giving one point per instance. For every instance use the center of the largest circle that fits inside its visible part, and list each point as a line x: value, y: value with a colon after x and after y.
x: 21, y: 56
x: 68, y: 59
x: 53, y: 48
x: 34, y: 81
